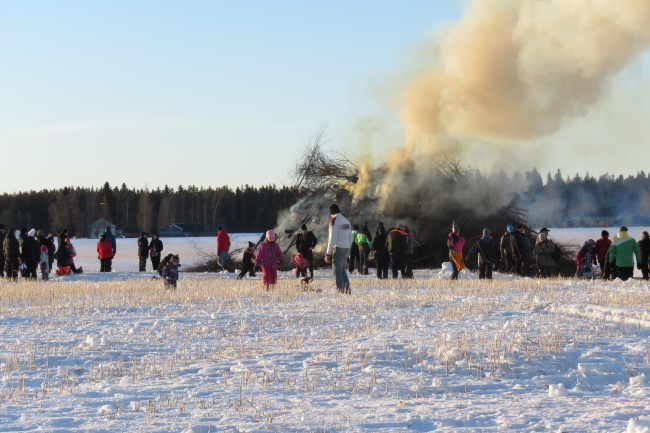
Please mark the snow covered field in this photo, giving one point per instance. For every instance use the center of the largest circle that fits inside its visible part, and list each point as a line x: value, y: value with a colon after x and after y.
x: 117, y: 353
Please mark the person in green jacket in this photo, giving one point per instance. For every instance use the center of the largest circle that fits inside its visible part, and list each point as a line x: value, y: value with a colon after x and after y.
x: 363, y: 239
x: 621, y: 251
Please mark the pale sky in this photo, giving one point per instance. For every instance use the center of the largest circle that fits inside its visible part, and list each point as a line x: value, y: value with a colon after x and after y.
x: 205, y: 93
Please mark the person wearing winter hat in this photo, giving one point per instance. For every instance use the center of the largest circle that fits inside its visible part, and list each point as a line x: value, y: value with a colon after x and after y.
x: 30, y: 254
x: 143, y: 252
x: 456, y: 242
x: 248, y: 262
x: 73, y: 254
x: 155, y: 248
x: 602, y: 247
x: 488, y: 255
x: 622, y: 253
x: 44, y: 258
x: 2, y: 254
x: 63, y: 258
x: 338, y: 246
x: 11, y: 252
x: 305, y: 243
x: 505, y: 249
x: 268, y: 257
x: 110, y: 237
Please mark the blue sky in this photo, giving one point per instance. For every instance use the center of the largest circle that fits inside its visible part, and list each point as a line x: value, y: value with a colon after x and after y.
x: 204, y: 93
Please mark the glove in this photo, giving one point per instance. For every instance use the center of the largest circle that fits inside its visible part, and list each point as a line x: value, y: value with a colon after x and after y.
x: 328, y: 259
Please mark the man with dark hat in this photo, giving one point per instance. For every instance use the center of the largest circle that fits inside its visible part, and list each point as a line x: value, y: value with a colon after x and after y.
x: 155, y: 248
x: 602, y: 247
x: 397, y: 246
x: 338, y: 246
x: 143, y: 251
x: 622, y: 253
x: 305, y: 243
x: 2, y: 254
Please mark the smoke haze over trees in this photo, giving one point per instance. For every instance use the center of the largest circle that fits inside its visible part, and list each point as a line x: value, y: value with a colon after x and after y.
x: 244, y: 209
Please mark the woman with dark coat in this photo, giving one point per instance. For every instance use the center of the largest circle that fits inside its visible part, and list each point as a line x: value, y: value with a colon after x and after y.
x: 63, y: 258
x: 644, y: 247
x: 155, y: 248
x: 380, y: 249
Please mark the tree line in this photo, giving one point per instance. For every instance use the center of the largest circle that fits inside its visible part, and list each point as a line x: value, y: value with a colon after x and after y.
x: 244, y: 209
x: 563, y: 201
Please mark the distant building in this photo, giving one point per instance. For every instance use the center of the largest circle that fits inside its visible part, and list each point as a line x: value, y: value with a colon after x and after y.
x: 98, y: 227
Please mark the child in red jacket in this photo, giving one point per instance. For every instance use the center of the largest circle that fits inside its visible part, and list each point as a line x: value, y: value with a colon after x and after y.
x: 301, y: 265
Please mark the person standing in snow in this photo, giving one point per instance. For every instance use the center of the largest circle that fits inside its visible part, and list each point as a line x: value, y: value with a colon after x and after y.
x: 506, y: 249
x: 363, y: 239
x: 586, y: 257
x: 382, y: 257
x: 44, y: 258
x: 305, y: 243
x: 408, y: 257
x: 488, y: 255
x: 223, y: 246
x: 268, y: 257
x: 602, y: 247
x: 456, y: 242
x: 543, y: 250
x: 644, y: 248
x: 520, y: 251
x: 30, y: 252
x: 354, y: 259
x: 338, y: 246
x: 105, y: 253
x: 11, y: 251
x: 2, y: 254
x: 622, y: 253
x: 380, y: 225
x: 155, y: 248
x: 110, y: 237
x: 248, y: 262
x: 143, y: 252
x: 396, y: 244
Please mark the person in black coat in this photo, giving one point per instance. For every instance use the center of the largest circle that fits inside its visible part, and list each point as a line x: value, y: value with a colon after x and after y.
x: 155, y: 249
x: 143, y: 251
x: 51, y: 248
x: 2, y: 254
x: 62, y: 237
x: 396, y: 244
x: 63, y: 257
x: 248, y: 262
x: 488, y: 255
x: 520, y: 251
x: 382, y: 258
x: 11, y: 251
x: 30, y: 255
x: 305, y: 243
x: 644, y: 247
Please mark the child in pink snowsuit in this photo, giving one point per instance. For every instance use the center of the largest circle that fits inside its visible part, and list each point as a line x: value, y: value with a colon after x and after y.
x: 301, y: 265
x: 268, y: 257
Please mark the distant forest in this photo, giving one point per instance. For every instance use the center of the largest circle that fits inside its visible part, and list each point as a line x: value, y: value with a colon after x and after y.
x: 582, y: 201
x: 559, y: 201
x: 245, y: 209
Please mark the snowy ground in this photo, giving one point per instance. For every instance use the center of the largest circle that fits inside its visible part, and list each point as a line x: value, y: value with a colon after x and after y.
x: 114, y: 353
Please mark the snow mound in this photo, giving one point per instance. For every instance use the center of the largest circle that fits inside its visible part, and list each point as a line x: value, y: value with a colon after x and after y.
x: 637, y: 380
x: 595, y: 367
x: 557, y: 391
x: 638, y: 426
x: 106, y: 409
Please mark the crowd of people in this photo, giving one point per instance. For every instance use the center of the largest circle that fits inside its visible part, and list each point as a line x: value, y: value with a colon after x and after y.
x: 350, y: 248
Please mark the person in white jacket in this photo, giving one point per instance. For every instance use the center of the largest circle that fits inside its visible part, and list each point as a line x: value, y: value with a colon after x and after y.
x: 338, y: 246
